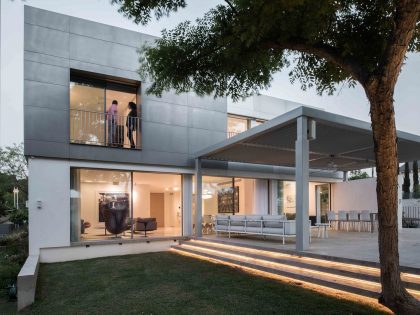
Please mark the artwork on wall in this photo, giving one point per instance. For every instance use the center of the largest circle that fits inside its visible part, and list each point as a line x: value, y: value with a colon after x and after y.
x: 226, y: 200
x: 105, y: 199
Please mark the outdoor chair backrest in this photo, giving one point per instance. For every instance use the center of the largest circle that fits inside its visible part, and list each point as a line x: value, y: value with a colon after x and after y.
x: 365, y: 215
x: 207, y: 218
x: 353, y: 215
x: 331, y: 216
x: 342, y: 215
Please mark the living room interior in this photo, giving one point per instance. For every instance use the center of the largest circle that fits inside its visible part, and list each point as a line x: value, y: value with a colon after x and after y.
x: 103, y: 204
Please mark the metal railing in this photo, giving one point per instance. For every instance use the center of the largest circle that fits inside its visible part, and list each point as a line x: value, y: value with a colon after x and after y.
x: 231, y: 134
x: 411, y: 216
x: 96, y: 128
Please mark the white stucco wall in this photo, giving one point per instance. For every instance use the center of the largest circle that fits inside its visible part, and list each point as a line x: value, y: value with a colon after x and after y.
x: 49, y: 185
x: 355, y: 195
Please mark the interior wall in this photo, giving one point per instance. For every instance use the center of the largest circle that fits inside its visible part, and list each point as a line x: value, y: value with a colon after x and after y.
x: 172, y: 209
x: 141, y: 201
x: 157, y: 208
x: 312, y: 199
x: 355, y: 195
x: 90, y: 196
x: 260, y: 205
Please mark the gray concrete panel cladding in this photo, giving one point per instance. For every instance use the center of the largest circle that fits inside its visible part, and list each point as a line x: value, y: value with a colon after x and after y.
x: 173, y: 126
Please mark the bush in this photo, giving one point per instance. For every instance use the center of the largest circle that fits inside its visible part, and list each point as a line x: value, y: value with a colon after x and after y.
x: 19, y: 216
x: 13, y: 253
x: 416, y: 191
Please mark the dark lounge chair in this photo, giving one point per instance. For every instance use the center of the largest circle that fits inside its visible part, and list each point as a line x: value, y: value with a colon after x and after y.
x: 115, y: 215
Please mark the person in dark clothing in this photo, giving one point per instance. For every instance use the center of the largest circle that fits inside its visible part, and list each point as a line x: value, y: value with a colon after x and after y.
x: 132, y: 122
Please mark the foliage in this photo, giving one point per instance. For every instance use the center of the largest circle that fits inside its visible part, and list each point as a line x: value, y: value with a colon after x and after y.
x: 13, y: 253
x: 167, y: 283
x: 13, y: 173
x: 358, y: 174
x: 13, y: 161
x: 416, y: 191
x: 415, y: 173
x: 416, y: 186
x: 234, y: 48
x: 142, y: 13
x: 19, y: 216
x: 406, y: 184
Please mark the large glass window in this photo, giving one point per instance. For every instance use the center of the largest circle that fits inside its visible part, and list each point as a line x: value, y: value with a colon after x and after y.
x: 106, y: 204
x: 100, y: 113
x: 236, y: 125
x: 250, y: 196
x: 286, y: 198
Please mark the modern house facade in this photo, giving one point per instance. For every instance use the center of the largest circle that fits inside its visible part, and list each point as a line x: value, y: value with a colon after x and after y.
x: 87, y: 156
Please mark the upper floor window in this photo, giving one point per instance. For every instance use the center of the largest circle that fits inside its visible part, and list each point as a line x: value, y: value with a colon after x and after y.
x: 238, y: 124
x: 104, y: 113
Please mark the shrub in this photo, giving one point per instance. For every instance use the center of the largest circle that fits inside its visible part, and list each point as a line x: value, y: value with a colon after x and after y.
x: 13, y: 253
x: 19, y: 216
x: 416, y: 191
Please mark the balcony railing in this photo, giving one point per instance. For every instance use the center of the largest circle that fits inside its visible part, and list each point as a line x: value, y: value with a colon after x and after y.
x: 231, y: 134
x: 101, y: 129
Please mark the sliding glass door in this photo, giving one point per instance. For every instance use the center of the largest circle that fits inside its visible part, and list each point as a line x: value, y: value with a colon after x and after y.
x: 94, y: 122
x: 109, y: 204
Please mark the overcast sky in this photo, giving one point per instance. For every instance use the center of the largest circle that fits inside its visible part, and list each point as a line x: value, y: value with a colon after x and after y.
x: 348, y: 101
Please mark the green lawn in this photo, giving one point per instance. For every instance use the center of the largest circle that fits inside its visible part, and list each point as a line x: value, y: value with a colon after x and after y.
x: 166, y: 283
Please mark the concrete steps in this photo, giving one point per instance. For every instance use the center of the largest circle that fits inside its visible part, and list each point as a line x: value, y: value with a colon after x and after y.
x: 344, y: 275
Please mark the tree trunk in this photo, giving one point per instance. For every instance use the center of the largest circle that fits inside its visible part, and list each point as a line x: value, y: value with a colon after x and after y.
x: 393, y: 295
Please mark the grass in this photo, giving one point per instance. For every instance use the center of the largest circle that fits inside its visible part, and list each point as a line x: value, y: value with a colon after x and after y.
x: 13, y: 253
x: 167, y: 283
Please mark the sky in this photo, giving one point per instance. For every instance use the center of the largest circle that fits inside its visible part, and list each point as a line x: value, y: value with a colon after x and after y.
x: 350, y: 102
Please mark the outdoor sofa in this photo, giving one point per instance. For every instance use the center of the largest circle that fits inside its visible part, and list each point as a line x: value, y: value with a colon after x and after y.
x: 265, y: 225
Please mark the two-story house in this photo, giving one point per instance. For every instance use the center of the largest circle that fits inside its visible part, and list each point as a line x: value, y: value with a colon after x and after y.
x: 107, y: 177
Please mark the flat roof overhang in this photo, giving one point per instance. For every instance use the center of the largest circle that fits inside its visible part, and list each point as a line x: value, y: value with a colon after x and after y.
x: 345, y: 142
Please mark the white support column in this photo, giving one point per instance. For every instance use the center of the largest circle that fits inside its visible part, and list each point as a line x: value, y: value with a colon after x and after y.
x: 302, y: 184
x: 187, y: 218
x: 198, y: 196
x: 272, y: 196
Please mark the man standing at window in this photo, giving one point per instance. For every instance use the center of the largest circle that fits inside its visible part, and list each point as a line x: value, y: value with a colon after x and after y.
x: 111, y: 118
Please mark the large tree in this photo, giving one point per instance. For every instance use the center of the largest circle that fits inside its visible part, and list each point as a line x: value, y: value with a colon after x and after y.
x: 237, y: 46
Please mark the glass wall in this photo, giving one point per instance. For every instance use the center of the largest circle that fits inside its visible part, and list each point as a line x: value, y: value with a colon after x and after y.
x: 106, y: 204
x: 238, y: 124
x: 250, y: 196
x: 95, y: 121
x: 319, y: 202
x: 87, y: 118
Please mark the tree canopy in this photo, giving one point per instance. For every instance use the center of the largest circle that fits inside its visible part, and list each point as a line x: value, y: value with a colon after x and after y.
x: 235, y: 48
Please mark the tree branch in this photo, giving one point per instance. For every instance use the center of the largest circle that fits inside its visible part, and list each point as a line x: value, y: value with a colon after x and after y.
x: 324, y: 51
x: 231, y: 6
x: 406, y: 17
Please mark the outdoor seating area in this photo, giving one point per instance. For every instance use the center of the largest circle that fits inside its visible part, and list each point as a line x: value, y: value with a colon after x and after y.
x: 353, y: 220
x: 265, y: 225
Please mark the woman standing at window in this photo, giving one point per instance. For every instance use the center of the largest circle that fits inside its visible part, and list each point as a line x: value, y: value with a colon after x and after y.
x: 131, y: 122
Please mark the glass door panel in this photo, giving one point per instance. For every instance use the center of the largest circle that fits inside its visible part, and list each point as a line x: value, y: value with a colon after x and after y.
x: 87, y: 119
x: 322, y: 193
x: 117, y: 128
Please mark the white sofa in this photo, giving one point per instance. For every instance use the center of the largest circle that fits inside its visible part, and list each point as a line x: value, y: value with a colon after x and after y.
x: 265, y: 225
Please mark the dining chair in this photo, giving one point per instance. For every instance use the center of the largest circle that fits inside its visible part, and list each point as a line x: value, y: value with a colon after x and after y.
x: 343, y: 219
x: 354, y: 219
x: 332, y: 218
x: 365, y: 220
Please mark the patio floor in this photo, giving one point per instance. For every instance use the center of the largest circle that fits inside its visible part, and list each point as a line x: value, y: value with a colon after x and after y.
x: 354, y: 245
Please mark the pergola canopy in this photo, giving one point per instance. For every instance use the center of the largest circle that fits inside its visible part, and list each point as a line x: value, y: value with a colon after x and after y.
x: 342, y: 143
